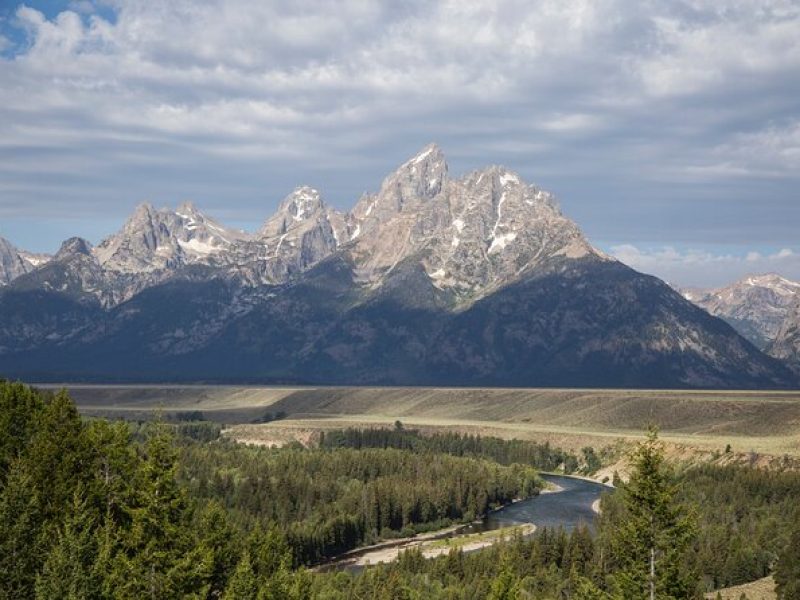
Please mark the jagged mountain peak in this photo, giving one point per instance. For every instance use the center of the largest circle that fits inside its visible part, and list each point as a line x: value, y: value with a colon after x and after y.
x: 304, y: 198
x: 72, y: 247
x: 303, y: 203
x: 772, y: 286
x: 157, y: 239
x: 414, y: 183
x: 472, y: 235
x: 420, y: 178
x: 144, y: 212
x: 188, y: 210
x: 15, y: 262
x: 499, y: 179
x: 303, y: 231
x: 144, y: 208
x: 195, y: 225
x: 429, y: 154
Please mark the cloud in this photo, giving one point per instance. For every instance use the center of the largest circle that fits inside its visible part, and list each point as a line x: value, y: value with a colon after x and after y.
x: 706, y: 45
x: 233, y: 103
x: 702, y: 268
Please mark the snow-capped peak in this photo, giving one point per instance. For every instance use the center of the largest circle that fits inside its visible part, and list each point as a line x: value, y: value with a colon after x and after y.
x: 187, y: 210
x: 756, y: 305
x: 507, y: 177
x: 302, y: 203
x: 472, y: 234
x: 777, y: 283
x: 420, y: 177
x: 154, y: 240
x: 431, y: 151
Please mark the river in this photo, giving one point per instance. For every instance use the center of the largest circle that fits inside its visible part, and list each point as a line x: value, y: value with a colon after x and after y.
x: 568, y: 507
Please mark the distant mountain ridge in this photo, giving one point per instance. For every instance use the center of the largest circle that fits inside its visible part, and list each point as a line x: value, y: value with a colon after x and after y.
x: 755, y: 305
x: 434, y: 279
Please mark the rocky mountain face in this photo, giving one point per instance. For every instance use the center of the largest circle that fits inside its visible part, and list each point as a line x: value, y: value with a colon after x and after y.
x: 304, y: 231
x: 756, y: 306
x: 157, y: 240
x: 786, y: 345
x: 15, y: 262
x: 471, y: 235
x: 433, y: 279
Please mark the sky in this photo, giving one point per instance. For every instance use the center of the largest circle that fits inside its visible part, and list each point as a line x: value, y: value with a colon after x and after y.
x: 669, y: 131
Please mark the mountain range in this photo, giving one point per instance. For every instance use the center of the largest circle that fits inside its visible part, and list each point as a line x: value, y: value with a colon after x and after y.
x: 432, y: 280
x: 765, y: 309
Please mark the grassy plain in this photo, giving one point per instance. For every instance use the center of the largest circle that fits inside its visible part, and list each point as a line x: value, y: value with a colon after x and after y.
x: 761, y: 589
x: 762, y: 425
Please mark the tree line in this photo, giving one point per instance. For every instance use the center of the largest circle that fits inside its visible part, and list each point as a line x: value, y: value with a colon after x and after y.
x: 328, y: 501
x: 506, y: 452
x: 748, y: 516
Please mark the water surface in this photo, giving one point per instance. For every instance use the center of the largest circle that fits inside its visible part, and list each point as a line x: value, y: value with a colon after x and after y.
x: 566, y: 509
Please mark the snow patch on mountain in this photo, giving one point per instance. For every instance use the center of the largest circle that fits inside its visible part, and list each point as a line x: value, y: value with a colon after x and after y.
x: 421, y: 156
x: 198, y: 247
x: 499, y: 242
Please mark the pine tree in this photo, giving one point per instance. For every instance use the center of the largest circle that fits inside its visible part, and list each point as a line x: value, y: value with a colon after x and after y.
x: 21, y: 538
x: 243, y: 584
x: 108, y: 543
x: 271, y: 560
x: 506, y: 585
x: 217, y: 539
x: 112, y: 464
x: 269, y: 552
x: 787, y: 570
x: 651, y: 543
x: 585, y: 589
x: 20, y: 407
x: 56, y: 455
x: 158, y: 538
x: 68, y: 571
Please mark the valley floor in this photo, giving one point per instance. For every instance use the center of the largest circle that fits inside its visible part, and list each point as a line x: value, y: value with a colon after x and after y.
x: 758, y: 428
